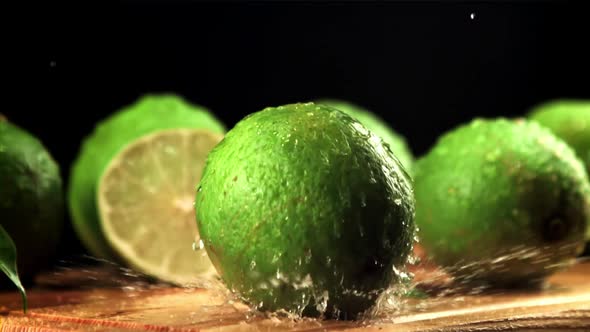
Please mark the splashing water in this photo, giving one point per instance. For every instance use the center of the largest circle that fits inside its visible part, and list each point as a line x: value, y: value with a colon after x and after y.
x: 421, y: 287
x: 428, y: 287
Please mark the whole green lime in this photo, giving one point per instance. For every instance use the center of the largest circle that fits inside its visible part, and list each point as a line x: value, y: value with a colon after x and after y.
x: 149, y: 114
x: 501, y: 201
x: 570, y: 121
x: 301, y: 208
x: 31, y: 198
x: 397, y: 143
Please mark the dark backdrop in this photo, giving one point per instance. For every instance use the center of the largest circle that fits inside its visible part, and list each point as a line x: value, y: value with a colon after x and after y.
x: 424, y: 67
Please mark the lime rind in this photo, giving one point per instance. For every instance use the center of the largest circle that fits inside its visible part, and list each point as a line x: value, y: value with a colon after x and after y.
x: 397, y: 143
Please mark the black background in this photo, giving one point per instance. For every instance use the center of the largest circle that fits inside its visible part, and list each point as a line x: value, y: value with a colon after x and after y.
x: 425, y: 67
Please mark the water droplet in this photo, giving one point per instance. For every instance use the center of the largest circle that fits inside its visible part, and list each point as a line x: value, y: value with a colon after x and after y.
x: 322, y: 303
x: 363, y: 199
x: 201, y: 244
x: 308, y: 256
x: 252, y: 265
x: 275, y: 258
x: 472, y: 16
x: 397, y: 201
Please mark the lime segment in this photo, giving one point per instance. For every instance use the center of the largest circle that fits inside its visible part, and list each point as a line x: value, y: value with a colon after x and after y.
x: 145, y: 202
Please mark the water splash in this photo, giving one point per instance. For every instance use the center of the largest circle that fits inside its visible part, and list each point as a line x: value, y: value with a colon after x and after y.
x: 421, y: 286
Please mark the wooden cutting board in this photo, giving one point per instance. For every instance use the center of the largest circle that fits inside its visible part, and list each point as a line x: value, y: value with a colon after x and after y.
x: 85, y: 303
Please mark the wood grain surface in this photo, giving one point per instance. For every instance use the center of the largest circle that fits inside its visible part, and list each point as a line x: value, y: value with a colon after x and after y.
x: 81, y: 300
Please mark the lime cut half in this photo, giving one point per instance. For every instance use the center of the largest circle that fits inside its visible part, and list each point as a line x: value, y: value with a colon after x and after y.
x: 145, y: 202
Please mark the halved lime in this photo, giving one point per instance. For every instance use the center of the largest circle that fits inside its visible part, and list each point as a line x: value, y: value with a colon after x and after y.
x: 150, y: 113
x: 145, y: 202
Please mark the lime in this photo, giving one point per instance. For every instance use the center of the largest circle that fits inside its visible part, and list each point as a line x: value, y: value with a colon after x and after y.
x: 371, y: 121
x: 146, y: 204
x: 302, y: 208
x: 149, y: 114
x: 31, y: 198
x: 502, y: 202
x: 570, y: 121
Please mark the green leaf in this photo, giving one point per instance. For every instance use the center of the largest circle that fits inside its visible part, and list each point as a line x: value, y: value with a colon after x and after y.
x: 8, y: 263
